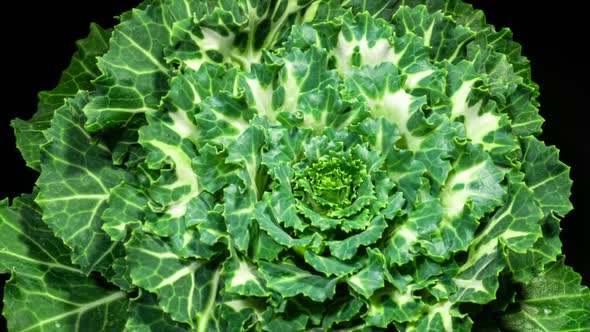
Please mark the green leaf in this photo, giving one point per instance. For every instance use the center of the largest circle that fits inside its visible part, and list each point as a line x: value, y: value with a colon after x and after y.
x: 420, y: 228
x: 553, y: 301
x: 205, y: 241
x: 283, y: 203
x: 523, y: 110
x: 167, y: 143
x: 341, y: 312
x: 289, y: 280
x: 347, y: 248
x: 27, y: 244
x: 268, y: 221
x: 46, y: 291
x: 482, y: 122
x: 525, y: 266
x: 186, y: 289
x: 378, y: 8
x: 382, y: 88
x: 292, y: 323
x: 145, y: 315
x: 437, y: 149
x: 547, y: 177
x: 74, y: 187
x: 213, y: 170
x: 239, y: 212
x: 246, y: 152
x: 133, y: 74
x: 126, y: 206
x: 191, y: 87
x: 241, y: 313
x: 473, y: 185
x: 442, y: 317
x: 241, y: 277
x: 445, y: 38
x: 330, y: 265
x: 80, y: 306
x: 308, y: 92
x: 119, y: 275
x: 264, y: 247
x: 363, y: 41
x: 223, y: 118
x: 381, y: 135
x: 233, y: 32
x: 371, y: 276
x: 78, y: 76
x: 389, y: 305
x: 516, y: 227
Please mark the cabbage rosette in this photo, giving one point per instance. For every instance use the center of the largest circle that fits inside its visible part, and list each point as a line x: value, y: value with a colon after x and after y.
x: 296, y: 166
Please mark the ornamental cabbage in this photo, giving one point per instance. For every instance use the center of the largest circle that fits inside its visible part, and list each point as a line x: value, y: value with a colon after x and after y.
x: 291, y: 165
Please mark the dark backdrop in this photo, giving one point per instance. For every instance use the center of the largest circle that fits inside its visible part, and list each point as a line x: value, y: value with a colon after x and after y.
x: 551, y: 35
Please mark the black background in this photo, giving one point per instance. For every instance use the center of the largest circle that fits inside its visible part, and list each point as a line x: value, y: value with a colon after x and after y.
x: 552, y: 37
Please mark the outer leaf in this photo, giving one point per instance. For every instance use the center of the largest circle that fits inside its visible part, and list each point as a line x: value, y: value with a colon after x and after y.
x: 167, y: 140
x: 75, y: 186
x: 523, y: 110
x: 242, y: 197
x: 234, y: 32
x: 474, y: 182
x: 525, y: 266
x: 371, y: 277
x: 189, y: 88
x: 308, y: 91
x: 552, y: 301
x: 242, y: 278
x: 361, y: 40
x: 223, y: 119
x: 134, y: 75
x: 80, y: 306
x: 187, y: 289
x: 238, y: 212
x: 342, y: 312
x: 292, y: 323
x: 81, y: 71
x: 145, y: 316
x: 27, y: 245
x: 211, y: 167
x: 126, y: 206
x: 388, y: 305
x: 481, y: 120
x: 364, y: 41
x: 381, y: 87
x: 515, y: 226
x: 547, y: 177
x: 47, y: 292
x: 445, y: 38
x: 205, y: 241
x: 441, y: 317
x: 378, y: 8
x: 239, y: 313
x: 418, y: 230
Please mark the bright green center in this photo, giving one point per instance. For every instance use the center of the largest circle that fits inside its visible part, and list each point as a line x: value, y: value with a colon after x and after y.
x: 331, y: 182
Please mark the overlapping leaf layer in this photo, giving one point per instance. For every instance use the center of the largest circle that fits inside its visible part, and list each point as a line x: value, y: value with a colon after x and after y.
x: 292, y: 165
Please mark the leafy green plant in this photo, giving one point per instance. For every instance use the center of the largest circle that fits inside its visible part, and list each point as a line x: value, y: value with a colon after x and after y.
x: 291, y: 165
